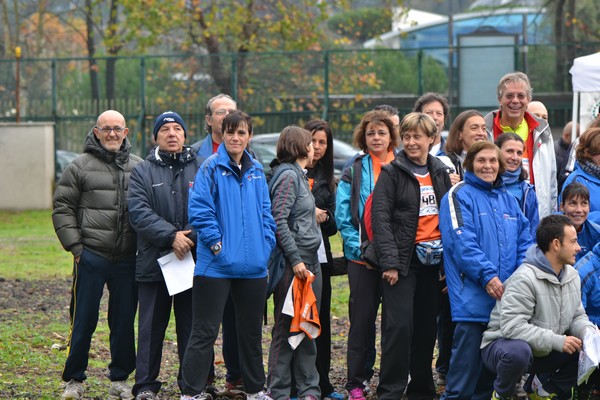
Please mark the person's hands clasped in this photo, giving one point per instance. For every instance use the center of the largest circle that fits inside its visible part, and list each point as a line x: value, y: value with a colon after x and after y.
x: 391, y: 276
x: 300, y: 271
x: 182, y: 244
x: 454, y: 179
x: 572, y: 344
x: 495, y: 288
x: 322, y: 215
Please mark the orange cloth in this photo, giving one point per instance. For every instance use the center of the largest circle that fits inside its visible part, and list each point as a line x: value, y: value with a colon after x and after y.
x: 376, y: 163
x: 301, y: 305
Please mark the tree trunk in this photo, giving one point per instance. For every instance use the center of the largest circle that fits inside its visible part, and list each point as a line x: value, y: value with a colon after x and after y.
x: 91, y: 48
x: 559, y: 39
x: 113, y: 51
x: 571, y: 51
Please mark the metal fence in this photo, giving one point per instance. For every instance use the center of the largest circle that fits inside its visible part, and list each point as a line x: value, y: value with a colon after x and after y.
x: 277, y: 89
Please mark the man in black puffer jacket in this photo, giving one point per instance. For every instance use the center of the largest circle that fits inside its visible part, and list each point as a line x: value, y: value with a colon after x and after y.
x: 91, y: 221
x: 158, y: 209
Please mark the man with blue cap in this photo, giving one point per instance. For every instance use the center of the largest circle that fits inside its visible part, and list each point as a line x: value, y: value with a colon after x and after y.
x: 158, y: 206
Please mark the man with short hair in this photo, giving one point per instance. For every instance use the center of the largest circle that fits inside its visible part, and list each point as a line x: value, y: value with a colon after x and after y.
x: 436, y: 106
x: 538, y: 109
x: 91, y: 221
x: 539, y: 323
x: 158, y: 211
x: 216, y: 109
x: 561, y: 146
x: 514, y: 95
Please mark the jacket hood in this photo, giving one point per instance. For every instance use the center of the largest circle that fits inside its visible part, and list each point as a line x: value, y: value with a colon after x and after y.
x: 92, y: 145
x: 534, y: 256
x: 159, y: 157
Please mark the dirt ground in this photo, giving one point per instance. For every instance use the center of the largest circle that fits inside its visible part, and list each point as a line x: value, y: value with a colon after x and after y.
x: 44, y: 302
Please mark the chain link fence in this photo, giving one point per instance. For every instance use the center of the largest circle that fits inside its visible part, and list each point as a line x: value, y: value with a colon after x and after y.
x: 277, y: 89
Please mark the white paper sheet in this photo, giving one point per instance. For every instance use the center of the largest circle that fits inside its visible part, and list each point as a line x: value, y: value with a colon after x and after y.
x: 589, y: 358
x: 179, y: 274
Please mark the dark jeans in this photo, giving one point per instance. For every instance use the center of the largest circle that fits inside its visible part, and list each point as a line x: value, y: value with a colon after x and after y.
x: 467, y: 377
x: 209, y: 296
x: 365, y: 296
x: 510, y: 359
x: 90, y: 275
x: 408, y: 334
x: 154, y: 314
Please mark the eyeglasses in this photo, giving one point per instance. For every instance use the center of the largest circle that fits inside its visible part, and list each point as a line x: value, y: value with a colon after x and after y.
x: 222, y: 111
x: 108, y: 129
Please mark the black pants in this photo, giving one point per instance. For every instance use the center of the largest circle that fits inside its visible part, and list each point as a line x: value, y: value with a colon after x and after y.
x: 230, y: 344
x: 365, y: 296
x: 209, y: 298
x: 409, y: 306
x: 445, y: 333
x: 155, y: 312
x: 323, y: 341
x: 90, y: 275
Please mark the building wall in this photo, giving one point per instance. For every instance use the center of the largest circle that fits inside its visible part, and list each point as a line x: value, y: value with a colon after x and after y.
x: 27, y: 176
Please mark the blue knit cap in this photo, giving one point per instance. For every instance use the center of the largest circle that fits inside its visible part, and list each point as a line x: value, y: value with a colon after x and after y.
x: 165, y: 118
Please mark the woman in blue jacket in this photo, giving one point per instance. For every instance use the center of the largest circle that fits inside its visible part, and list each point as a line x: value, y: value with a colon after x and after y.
x: 575, y: 204
x: 515, y: 177
x: 485, y: 236
x: 587, y: 168
x: 229, y: 207
x: 377, y: 137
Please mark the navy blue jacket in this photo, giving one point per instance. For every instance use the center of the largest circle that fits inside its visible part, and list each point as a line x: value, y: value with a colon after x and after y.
x: 157, y: 203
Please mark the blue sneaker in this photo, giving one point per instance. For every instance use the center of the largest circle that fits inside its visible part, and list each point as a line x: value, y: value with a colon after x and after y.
x: 334, y: 396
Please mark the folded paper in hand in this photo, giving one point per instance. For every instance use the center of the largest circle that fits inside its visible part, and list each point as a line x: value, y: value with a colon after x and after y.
x: 589, y: 357
x: 179, y: 274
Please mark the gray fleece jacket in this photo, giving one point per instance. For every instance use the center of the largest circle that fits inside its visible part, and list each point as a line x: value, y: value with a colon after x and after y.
x: 539, y: 307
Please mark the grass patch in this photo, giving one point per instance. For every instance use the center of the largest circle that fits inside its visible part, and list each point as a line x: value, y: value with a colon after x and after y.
x: 35, y: 284
x: 29, y: 248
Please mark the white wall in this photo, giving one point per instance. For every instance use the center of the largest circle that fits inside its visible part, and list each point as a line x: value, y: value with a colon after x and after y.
x: 26, y: 166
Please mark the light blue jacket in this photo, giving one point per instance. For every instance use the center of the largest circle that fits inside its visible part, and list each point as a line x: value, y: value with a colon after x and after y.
x: 343, y: 210
x: 232, y: 206
x: 589, y: 272
x: 485, y: 235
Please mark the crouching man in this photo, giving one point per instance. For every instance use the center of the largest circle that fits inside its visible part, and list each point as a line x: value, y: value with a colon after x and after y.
x: 539, y: 323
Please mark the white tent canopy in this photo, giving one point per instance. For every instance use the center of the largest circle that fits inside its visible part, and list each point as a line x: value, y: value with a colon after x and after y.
x: 586, y: 89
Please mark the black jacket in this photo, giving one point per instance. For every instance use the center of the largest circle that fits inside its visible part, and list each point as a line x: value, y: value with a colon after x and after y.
x: 395, y: 209
x: 158, y: 207
x: 90, y: 202
x: 325, y: 200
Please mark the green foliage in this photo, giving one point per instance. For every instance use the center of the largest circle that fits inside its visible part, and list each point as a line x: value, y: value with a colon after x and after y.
x: 361, y: 24
x: 398, y: 72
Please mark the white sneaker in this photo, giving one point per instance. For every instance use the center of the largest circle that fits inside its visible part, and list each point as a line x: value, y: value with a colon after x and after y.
x: 120, y: 390
x: 258, y: 396
x: 73, y: 390
x: 201, y: 396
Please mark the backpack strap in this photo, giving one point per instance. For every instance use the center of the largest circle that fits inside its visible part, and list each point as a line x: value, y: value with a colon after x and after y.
x: 353, y: 176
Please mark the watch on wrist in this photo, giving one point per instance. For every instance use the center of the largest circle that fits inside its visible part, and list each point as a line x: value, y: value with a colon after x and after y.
x: 216, y: 248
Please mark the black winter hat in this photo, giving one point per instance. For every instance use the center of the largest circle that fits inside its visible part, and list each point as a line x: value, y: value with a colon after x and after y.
x: 165, y: 118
